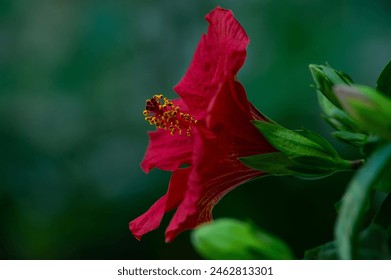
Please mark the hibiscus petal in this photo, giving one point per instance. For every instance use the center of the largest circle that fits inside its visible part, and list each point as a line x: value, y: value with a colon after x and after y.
x: 167, y: 152
x: 199, y: 201
x: 229, y: 117
x: 151, y: 219
x: 218, y: 57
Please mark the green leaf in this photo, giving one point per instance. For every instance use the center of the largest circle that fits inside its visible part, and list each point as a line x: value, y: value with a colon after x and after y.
x: 384, y: 80
x: 229, y: 239
x: 289, y: 142
x: 355, y: 201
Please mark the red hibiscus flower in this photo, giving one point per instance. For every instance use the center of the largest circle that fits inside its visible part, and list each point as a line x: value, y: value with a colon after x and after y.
x: 207, y: 129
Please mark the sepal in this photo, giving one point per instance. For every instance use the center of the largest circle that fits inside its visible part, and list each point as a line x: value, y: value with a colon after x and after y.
x: 325, y: 78
x: 302, y: 153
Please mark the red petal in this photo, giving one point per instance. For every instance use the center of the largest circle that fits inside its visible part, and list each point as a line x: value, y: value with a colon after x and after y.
x: 230, y: 115
x: 166, y: 151
x: 218, y: 57
x: 151, y: 219
x: 211, y: 178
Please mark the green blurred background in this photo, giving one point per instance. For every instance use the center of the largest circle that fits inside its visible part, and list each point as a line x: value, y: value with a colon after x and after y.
x: 74, y: 76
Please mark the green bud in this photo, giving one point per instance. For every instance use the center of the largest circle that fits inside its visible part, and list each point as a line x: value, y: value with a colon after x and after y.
x: 367, y: 107
x: 325, y: 78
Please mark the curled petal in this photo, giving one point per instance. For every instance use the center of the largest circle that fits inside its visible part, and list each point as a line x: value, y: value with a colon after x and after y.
x: 218, y: 57
x: 151, y: 219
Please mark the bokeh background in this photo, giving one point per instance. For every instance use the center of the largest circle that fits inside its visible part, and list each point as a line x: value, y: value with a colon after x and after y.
x: 74, y: 76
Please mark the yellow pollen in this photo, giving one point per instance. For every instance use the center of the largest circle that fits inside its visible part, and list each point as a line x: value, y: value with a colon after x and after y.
x: 167, y: 116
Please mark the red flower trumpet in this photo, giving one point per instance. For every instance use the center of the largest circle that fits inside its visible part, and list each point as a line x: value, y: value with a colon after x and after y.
x: 201, y: 135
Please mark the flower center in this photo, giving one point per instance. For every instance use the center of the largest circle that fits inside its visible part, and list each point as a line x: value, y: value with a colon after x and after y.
x: 167, y: 116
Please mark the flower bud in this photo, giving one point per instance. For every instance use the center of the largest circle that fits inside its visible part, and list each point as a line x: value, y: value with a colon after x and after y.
x: 370, y: 109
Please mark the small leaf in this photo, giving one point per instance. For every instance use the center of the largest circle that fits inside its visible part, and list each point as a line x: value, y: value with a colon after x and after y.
x: 384, y: 80
x: 229, y: 239
x: 289, y: 142
x: 355, y: 200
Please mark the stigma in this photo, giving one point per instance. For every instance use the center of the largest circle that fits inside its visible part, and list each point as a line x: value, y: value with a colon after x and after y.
x: 162, y: 113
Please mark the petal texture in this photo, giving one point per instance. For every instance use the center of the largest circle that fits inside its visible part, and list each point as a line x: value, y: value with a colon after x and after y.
x: 219, y: 55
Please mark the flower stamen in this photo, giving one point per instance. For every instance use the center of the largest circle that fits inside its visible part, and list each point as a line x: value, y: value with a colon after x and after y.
x: 167, y: 116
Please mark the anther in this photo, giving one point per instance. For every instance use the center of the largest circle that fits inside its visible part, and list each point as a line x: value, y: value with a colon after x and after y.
x: 167, y: 116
